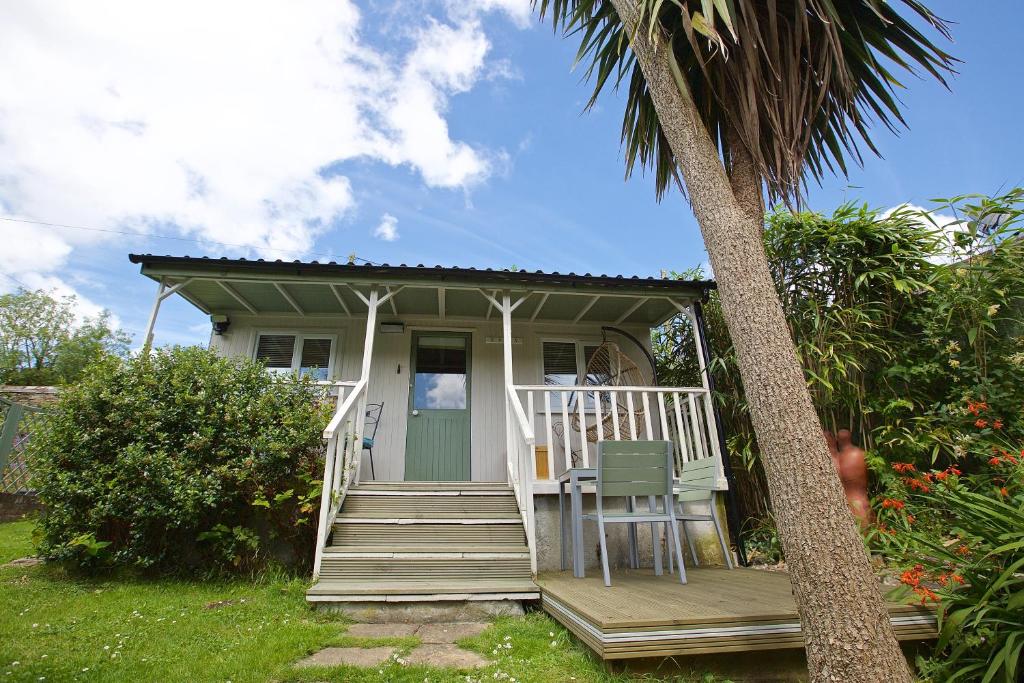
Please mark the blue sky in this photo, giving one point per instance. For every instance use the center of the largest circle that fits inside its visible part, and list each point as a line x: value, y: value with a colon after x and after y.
x: 461, y: 129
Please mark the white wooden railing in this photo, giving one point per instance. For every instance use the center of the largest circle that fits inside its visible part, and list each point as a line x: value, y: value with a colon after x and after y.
x: 520, y: 460
x: 573, y: 419
x: 344, y: 437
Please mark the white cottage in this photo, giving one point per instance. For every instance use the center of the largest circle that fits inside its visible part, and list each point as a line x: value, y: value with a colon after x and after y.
x: 462, y: 395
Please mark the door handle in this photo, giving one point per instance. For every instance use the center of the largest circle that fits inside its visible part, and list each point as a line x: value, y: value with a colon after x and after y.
x: 415, y: 413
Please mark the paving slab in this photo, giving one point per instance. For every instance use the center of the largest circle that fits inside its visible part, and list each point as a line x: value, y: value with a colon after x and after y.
x: 381, y: 630
x: 445, y: 655
x: 449, y: 633
x: 353, y: 656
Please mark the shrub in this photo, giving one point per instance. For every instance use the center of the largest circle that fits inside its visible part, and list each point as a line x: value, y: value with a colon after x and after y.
x: 180, y: 461
x: 959, y: 539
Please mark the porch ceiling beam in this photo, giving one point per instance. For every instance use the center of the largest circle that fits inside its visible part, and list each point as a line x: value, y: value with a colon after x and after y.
x: 359, y: 294
x: 440, y: 302
x: 520, y: 300
x: 586, y: 308
x: 337, y: 295
x: 391, y: 300
x: 167, y: 291
x: 536, y: 311
x: 289, y: 298
x: 238, y: 297
x: 389, y: 297
x: 632, y: 309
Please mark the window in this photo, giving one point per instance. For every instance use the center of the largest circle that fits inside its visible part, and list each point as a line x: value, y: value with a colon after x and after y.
x: 565, y: 364
x: 302, y: 353
x: 442, y: 366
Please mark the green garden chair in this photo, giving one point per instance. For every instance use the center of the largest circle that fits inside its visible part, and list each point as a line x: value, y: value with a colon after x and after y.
x: 696, y: 484
x: 636, y: 469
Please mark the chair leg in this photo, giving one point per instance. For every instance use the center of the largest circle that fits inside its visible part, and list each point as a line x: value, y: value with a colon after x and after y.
x: 689, y: 544
x: 721, y: 537
x: 677, y: 550
x: 373, y: 474
x: 604, y: 551
x: 634, y: 556
x: 655, y: 541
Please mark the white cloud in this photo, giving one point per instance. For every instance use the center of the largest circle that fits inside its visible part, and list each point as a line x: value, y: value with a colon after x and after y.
x: 447, y: 392
x: 216, y: 119
x: 387, y: 230
x: 947, y: 224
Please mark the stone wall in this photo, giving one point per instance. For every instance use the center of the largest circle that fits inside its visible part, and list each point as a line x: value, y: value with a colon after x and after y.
x: 38, y: 397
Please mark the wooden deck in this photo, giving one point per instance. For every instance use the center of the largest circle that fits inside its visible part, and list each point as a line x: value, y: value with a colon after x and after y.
x: 717, y: 611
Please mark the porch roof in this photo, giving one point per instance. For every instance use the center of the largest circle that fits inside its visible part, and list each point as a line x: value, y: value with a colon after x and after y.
x: 243, y: 286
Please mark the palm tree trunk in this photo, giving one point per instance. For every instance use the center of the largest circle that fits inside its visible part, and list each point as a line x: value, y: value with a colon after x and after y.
x: 847, y: 632
x: 744, y: 178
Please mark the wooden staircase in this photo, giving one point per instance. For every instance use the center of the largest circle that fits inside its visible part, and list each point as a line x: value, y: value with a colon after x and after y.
x: 426, y: 541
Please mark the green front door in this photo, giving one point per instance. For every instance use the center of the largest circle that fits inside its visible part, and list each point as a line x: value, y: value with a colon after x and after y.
x: 437, y: 439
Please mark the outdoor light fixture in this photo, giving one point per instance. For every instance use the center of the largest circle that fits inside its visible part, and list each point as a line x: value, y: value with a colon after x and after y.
x: 220, y: 323
x: 392, y: 328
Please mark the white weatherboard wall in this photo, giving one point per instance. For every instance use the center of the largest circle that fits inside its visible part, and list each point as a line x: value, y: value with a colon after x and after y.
x: 389, y: 374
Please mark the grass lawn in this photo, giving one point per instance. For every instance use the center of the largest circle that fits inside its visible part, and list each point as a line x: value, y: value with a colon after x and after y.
x: 55, y: 626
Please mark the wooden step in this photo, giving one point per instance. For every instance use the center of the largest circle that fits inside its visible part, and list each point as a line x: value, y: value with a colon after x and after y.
x: 429, y: 535
x: 339, y: 590
x: 425, y: 549
x: 420, y: 507
x: 423, y: 570
x: 432, y: 487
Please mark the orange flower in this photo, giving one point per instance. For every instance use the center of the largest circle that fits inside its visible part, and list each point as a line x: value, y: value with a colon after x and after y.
x: 1003, y: 492
x: 893, y: 504
x: 903, y: 467
x: 976, y: 408
x: 911, y: 519
x: 941, y: 476
x: 994, y: 461
x: 926, y: 594
x: 917, y: 485
x: 1012, y: 459
x: 954, y: 470
x: 998, y: 424
x: 928, y: 476
x: 981, y: 423
x: 963, y: 551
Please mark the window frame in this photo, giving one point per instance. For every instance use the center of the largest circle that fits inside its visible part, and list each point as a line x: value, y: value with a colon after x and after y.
x: 300, y: 340
x: 580, y: 344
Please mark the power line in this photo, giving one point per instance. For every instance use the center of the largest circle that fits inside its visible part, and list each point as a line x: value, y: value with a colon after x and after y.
x: 175, y: 238
x: 15, y: 280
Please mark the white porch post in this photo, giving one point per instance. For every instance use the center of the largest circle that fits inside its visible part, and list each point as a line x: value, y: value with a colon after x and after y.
x: 709, y: 408
x: 506, y: 347
x: 371, y: 324
x: 148, y: 339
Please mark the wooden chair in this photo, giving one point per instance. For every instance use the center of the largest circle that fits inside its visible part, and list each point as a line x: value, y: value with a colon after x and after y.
x: 697, y: 480
x: 636, y: 468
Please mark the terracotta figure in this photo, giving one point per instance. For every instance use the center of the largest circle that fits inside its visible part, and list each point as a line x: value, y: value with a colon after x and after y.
x: 852, y: 468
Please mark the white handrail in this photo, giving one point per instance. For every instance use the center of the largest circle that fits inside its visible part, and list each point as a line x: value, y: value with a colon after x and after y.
x: 517, y: 408
x: 344, y: 409
x: 682, y: 415
x: 601, y: 387
x: 341, y: 453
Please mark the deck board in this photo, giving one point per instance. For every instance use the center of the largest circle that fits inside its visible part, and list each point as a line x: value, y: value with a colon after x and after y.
x: 718, y: 610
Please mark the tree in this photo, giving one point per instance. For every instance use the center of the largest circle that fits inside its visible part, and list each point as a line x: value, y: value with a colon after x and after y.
x: 40, y: 342
x: 727, y: 100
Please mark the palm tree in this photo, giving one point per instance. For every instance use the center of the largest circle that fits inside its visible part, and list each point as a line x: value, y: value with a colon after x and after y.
x: 728, y: 99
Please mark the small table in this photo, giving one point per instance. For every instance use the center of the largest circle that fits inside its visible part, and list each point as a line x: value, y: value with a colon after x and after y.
x: 574, y: 478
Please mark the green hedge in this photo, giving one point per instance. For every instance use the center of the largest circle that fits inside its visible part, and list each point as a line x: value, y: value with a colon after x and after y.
x: 180, y: 461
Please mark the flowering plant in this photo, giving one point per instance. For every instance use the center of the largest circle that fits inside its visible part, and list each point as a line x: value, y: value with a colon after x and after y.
x: 958, y: 535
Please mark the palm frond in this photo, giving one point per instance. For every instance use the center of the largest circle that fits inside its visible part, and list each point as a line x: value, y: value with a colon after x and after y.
x: 801, y: 82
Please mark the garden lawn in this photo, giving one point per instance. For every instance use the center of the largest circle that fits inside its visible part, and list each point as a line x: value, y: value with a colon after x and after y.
x: 60, y: 627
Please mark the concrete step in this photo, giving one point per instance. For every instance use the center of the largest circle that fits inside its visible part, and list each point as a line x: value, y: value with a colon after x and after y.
x: 343, y: 591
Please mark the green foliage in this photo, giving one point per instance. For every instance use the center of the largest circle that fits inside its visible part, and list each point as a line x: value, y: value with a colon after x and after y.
x: 181, y: 460
x: 961, y: 538
x: 40, y: 342
x: 744, y: 64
